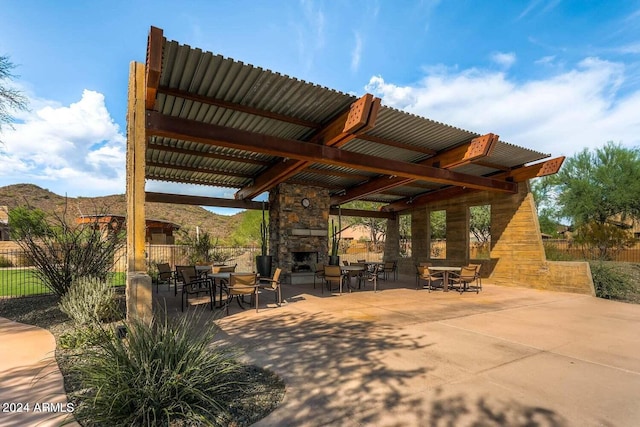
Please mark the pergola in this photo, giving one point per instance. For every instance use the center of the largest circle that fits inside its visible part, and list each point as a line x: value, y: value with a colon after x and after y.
x: 199, y: 118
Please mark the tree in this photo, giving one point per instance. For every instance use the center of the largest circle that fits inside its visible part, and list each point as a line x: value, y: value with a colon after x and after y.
x: 596, y: 188
x: 63, y: 250
x: 548, y: 216
x: 10, y: 99
x: 480, y: 223
x: 375, y: 227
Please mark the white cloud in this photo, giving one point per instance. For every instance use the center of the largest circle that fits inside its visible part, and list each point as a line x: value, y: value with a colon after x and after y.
x: 559, y: 115
x: 77, y: 149
x: 505, y: 60
x: 356, y: 53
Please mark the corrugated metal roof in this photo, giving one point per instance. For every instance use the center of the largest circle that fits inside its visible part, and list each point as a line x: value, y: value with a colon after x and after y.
x: 205, y: 74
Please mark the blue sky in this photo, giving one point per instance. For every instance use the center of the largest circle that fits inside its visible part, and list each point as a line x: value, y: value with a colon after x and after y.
x: 552, y: 75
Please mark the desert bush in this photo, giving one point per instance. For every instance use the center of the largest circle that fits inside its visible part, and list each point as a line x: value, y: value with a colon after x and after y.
x: 554, y: 253
x: 162, y: 373
x: 5, y: 262
x: 85, y: 336
x: 90, y: 300
x: 62, y: 249
x: 610, y: 282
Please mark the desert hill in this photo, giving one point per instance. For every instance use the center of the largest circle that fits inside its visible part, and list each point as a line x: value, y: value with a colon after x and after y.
x: 188, y: 217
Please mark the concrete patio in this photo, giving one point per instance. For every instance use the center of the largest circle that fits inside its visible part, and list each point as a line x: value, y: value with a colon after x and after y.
x: 401, y: 357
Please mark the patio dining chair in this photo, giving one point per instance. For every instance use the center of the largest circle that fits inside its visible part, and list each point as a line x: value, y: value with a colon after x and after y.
x: 430, y: 277
x: 192, y: 284
x: 241, y: 285
x: 464, y: 279
x: 372, y: 277
x: 319, y: 274
x: 272, y: 284
x: 165, y: 276
x: 388, y: 269
x: 333, y: 274
x: 478, y: 276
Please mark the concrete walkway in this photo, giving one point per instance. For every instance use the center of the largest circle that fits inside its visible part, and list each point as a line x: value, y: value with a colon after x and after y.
x: 401, y: 357
x: 31, y: 386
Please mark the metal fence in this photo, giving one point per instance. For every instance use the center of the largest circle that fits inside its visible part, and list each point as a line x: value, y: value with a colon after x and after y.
x: 567, y: 250
x: 18, y: 275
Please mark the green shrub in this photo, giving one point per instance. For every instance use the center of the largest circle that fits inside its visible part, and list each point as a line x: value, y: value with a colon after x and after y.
x: 5, y: 262
x: 85, y: 336
x: 89, y: 301
x: 554, y: 253
x: 161, y: 374
x: 610, y: 282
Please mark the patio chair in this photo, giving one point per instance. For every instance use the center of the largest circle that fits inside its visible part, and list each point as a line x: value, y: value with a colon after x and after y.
x: 362, y: 261
x: 372, y: 277
x: 477, y: 267
x: 224, y: 269
x: 430, y: 277
x: 420, y: 271
x: 194, y: 285
x: 241, y: 285
x: 358, y: 275
x: 272, y: 284
x: 464, y: 279
x: 319, y: 274
x: 333, y: 274
x: 165, y: 276
x: 177, y: 275
x: 388, y: 269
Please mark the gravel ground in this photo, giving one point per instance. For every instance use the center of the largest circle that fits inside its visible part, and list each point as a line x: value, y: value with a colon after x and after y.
x: 261, y: 392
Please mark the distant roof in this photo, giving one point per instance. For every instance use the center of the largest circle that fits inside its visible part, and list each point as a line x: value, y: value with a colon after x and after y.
x: 220, y: 122
x: 106, y: 218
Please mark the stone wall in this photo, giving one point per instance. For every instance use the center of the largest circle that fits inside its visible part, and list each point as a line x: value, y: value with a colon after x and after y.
x: 517, y: 256
x: 294, y: 228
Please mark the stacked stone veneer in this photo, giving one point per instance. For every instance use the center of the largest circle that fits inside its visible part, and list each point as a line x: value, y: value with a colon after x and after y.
x: 287, y: 214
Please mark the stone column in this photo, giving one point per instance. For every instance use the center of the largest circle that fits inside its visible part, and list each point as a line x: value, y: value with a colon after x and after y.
x: 392, y: 240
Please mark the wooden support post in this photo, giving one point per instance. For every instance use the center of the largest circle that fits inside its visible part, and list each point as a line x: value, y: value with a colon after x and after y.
x: 138, y: 292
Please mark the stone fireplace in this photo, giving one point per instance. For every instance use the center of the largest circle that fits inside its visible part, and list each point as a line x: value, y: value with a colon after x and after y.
x: 298, y: 233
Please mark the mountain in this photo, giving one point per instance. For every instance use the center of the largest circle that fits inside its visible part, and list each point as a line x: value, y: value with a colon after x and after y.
x: 186, y: 216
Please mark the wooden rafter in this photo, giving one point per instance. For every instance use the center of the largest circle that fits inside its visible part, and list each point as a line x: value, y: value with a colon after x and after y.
x: 521, y: 174
x: 237, y: 107
x: 360, y: 117
x: 181, y: 199
x: 192, y: 181
x: 214, y: 171
x: 477, y: 148
x: 191, y: 130
x: 217, y: 156
x: 153, y: 66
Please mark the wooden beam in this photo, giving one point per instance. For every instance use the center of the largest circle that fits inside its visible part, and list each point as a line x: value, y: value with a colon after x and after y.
x: 181, y: 199
x: 153, y: 69
x: 521, y: 174
x: 191, y: 130
x: 361, y: 213
x: 477, y: 148
x: 218, y: 156
x: 359, y: 118
x: 209, y: 100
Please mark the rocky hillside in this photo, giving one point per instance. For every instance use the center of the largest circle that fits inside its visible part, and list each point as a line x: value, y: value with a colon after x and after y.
x: 188, y: 217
